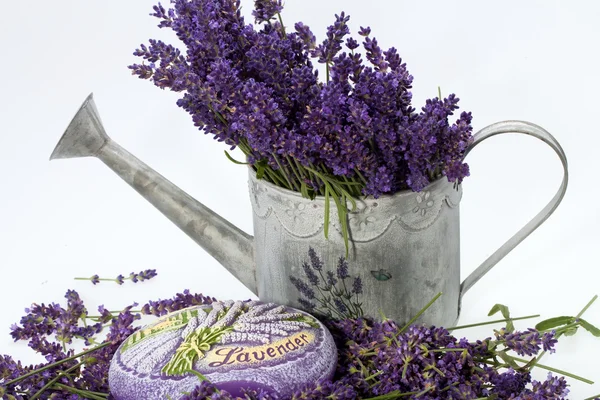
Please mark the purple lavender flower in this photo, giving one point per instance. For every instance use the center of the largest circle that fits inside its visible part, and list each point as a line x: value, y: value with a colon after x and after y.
x: 342, y: 269
x: 375, y: 359
x: 326, y: 389
x: 352, y: 44
x: 307, y: 304
x: 259, y: 91
x: 303, y: 288
x: 178, y: 302
x: 313, y: 279
x: 306, y: 35
x: 549, y: 341
x: 143, y: 275
x: 552, y: 388
x: 331, y: 280
x: 265, y: 10
x: 357, y: 285
x: 509, y: 383
x: 364, y: 31
x: 134, y: 277
x: 340, y: 306
x: 326, y: 51
x: 523, y: 343
x: 315, y: 261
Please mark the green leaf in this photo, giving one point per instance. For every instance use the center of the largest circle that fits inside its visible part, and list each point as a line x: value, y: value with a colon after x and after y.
x: 260, y: 169
x: 510, y: 327
x: 198, y: 375
x: 553, y: 323
x: 233, y: 160
x: 589, y: 327
x: 326, y: 211
x: 304, y: 190
x: 571, y: 331
x: 509, y: 360
x: 341, y: 209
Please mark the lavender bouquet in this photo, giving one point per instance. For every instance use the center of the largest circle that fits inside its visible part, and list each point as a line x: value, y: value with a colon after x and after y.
x: 355, y: 134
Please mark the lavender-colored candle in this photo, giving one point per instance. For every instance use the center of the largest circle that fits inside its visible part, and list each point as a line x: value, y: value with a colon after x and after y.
x: 235, y: 345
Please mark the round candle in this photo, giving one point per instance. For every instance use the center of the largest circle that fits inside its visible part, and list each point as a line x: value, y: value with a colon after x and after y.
x: 235, y: 345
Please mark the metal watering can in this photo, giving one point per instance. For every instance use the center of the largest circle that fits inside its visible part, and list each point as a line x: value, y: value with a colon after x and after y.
x: 404, y: 248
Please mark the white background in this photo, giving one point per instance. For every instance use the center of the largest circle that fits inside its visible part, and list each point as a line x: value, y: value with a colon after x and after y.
x: 535, y: 61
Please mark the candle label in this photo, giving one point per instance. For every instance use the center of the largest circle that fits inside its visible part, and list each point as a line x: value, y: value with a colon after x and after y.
x: 276, y: 350
x: 223, y: 336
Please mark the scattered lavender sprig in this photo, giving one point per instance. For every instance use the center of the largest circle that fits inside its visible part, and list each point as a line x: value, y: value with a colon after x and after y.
x: 134, y: 277
x: 377, y: 360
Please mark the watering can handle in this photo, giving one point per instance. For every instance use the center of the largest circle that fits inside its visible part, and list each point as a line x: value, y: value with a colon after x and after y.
x: 526, y: 128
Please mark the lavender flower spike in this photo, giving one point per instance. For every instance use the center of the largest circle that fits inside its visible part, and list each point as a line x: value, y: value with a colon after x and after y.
x: 265, y: 10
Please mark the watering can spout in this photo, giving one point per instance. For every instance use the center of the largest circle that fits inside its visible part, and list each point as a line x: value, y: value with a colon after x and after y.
x: 230, y: 246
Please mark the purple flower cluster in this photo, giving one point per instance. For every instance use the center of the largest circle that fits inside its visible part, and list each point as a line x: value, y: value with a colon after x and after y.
x: 178, y: 302
x: 66, y: 325
x: 527, y: 343
x: 379, y: 359
x: 259, y: 90
x: 42, y: 323
x: 374, y: 358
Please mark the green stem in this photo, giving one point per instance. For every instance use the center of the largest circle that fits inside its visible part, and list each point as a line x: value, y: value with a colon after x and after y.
x: 83, y: 393
x: 57, y: 363
x: 296, y: 173
x: 443, y: 350
x: 327, y: 304
x: 417, y: 315
x: 492, y: 322
x: 282, y: 26
x: 346, y: 299
x: 583, y: 310
x: 587, y: 306
x: 55, y: 379
x: 558, y: 371
x: 360, y: 175
x: 284, y: 172
x: 276, y: 178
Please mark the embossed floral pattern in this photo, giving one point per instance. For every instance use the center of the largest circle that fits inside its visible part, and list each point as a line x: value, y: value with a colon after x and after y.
x: 256, y: 189
x: 296, y: 211
x: 424, y: 202
x: 362, y: 218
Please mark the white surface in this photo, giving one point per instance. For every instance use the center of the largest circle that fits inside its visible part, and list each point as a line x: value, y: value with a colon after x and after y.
x: 536, y: 61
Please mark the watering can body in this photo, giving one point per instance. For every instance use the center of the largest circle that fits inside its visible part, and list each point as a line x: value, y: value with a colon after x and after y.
x: 403, y: 248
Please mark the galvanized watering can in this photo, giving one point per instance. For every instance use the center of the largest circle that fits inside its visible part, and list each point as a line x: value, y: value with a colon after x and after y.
x: 404, y: 248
